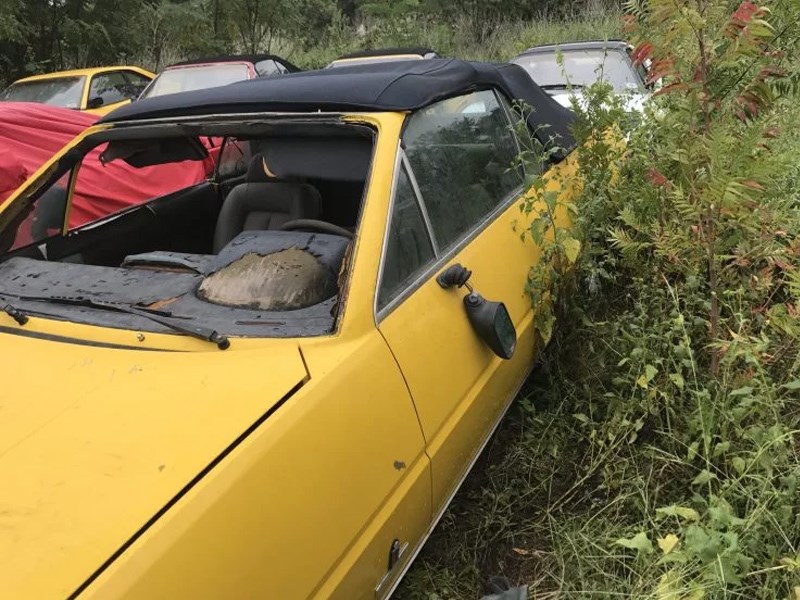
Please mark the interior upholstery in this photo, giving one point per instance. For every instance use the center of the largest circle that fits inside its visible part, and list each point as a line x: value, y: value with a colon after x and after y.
x: 262, y: 203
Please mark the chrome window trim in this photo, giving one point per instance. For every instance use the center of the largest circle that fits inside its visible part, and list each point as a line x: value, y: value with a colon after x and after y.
x: 512, y: 116
x: 401, y: 162
x: 420, y: 202
x: 508, y: 110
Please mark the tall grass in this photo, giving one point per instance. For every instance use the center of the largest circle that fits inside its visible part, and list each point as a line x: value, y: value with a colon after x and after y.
x: 464, y: 38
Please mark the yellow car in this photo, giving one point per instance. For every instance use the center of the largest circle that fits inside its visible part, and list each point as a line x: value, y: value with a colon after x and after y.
x: 98, y: 90
x: 271, y: 383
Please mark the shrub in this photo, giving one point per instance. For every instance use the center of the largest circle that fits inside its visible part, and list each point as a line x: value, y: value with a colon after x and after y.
x: 687, y: 288
x: 657, y: 454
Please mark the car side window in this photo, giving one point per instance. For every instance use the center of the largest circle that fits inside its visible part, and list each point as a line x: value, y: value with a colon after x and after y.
x: 462, y: 153
x: 268, y: 67
x: 41, y: 219
x: 135, y: 84
x: 408, y: 249
x: 234, y: 157
x: 110, y: 87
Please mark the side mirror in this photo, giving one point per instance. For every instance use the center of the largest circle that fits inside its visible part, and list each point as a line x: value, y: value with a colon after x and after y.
x: 492, y: 323
x: 95, y: 102
x: 490, y: 320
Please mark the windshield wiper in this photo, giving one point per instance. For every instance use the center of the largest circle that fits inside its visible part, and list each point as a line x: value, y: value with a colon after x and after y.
x: 157, y: 316
x: 12, y: 311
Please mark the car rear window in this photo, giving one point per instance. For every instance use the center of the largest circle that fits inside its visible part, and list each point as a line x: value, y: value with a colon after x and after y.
x: 580, y: 68
x: 185, y: 79
x: 65, y: 92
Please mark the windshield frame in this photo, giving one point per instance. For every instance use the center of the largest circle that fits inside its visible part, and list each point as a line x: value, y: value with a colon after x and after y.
x: 300, y: 323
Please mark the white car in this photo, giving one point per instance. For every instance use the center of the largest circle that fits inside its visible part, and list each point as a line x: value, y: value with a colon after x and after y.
x: 563, y: 70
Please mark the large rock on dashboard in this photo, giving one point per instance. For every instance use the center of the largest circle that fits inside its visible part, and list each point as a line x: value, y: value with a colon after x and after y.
x: 275, y: 270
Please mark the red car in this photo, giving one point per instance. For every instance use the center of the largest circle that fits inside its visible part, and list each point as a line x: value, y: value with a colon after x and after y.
x: 213, y: 72
x: 31, y: 133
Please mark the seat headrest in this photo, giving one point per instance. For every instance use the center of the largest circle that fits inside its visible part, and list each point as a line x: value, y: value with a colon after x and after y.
x: 259, y: 206
x: 259, y: 171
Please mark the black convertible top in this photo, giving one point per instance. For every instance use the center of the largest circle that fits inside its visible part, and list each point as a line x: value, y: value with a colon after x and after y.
x: 384, y: 86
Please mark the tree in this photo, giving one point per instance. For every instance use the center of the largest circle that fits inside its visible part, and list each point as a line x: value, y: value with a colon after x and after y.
x: 256, y: 22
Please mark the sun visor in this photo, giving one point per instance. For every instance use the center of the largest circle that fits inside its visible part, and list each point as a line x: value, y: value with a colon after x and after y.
x: 149, y: 152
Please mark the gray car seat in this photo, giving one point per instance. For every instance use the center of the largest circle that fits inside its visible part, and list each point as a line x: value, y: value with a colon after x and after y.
x: 263, y: 202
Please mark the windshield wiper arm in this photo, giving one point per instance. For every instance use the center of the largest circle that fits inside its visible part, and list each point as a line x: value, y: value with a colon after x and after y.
x: 20, y: 316
x: 561, y: 86
x: 161, y: 317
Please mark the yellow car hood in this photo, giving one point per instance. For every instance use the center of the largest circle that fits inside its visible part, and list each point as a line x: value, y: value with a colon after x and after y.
x: 95, y: 441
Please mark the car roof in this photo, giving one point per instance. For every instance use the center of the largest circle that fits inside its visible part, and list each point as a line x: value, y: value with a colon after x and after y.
x: 583, y: 45
x: 233, y: 58
x: 85, y: 72
x: 377, y: 52
x: 380, y: 87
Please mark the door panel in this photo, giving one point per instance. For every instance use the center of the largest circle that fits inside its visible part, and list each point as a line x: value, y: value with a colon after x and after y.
x: 364, y: 573
x: 459, y: 387
x: 457, y: 154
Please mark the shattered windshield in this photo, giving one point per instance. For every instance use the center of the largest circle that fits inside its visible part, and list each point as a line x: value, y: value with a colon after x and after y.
x: 154, y: 229
x: 99, y: 188
x: 66, y: 92
x: 580, y: 68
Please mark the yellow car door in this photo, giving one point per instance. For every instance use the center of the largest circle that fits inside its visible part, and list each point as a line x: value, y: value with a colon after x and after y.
x: 455, y: 201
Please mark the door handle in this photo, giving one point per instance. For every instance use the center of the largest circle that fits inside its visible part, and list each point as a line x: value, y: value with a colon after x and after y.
x: 396, y: 552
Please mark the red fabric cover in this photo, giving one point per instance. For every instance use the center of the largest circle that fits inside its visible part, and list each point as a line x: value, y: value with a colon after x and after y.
x: 12, y: 173
x: 31, y: 133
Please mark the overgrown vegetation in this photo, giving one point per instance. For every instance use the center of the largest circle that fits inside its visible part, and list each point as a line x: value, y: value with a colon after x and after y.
x: 656, y: 454
x: 47, y: 35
